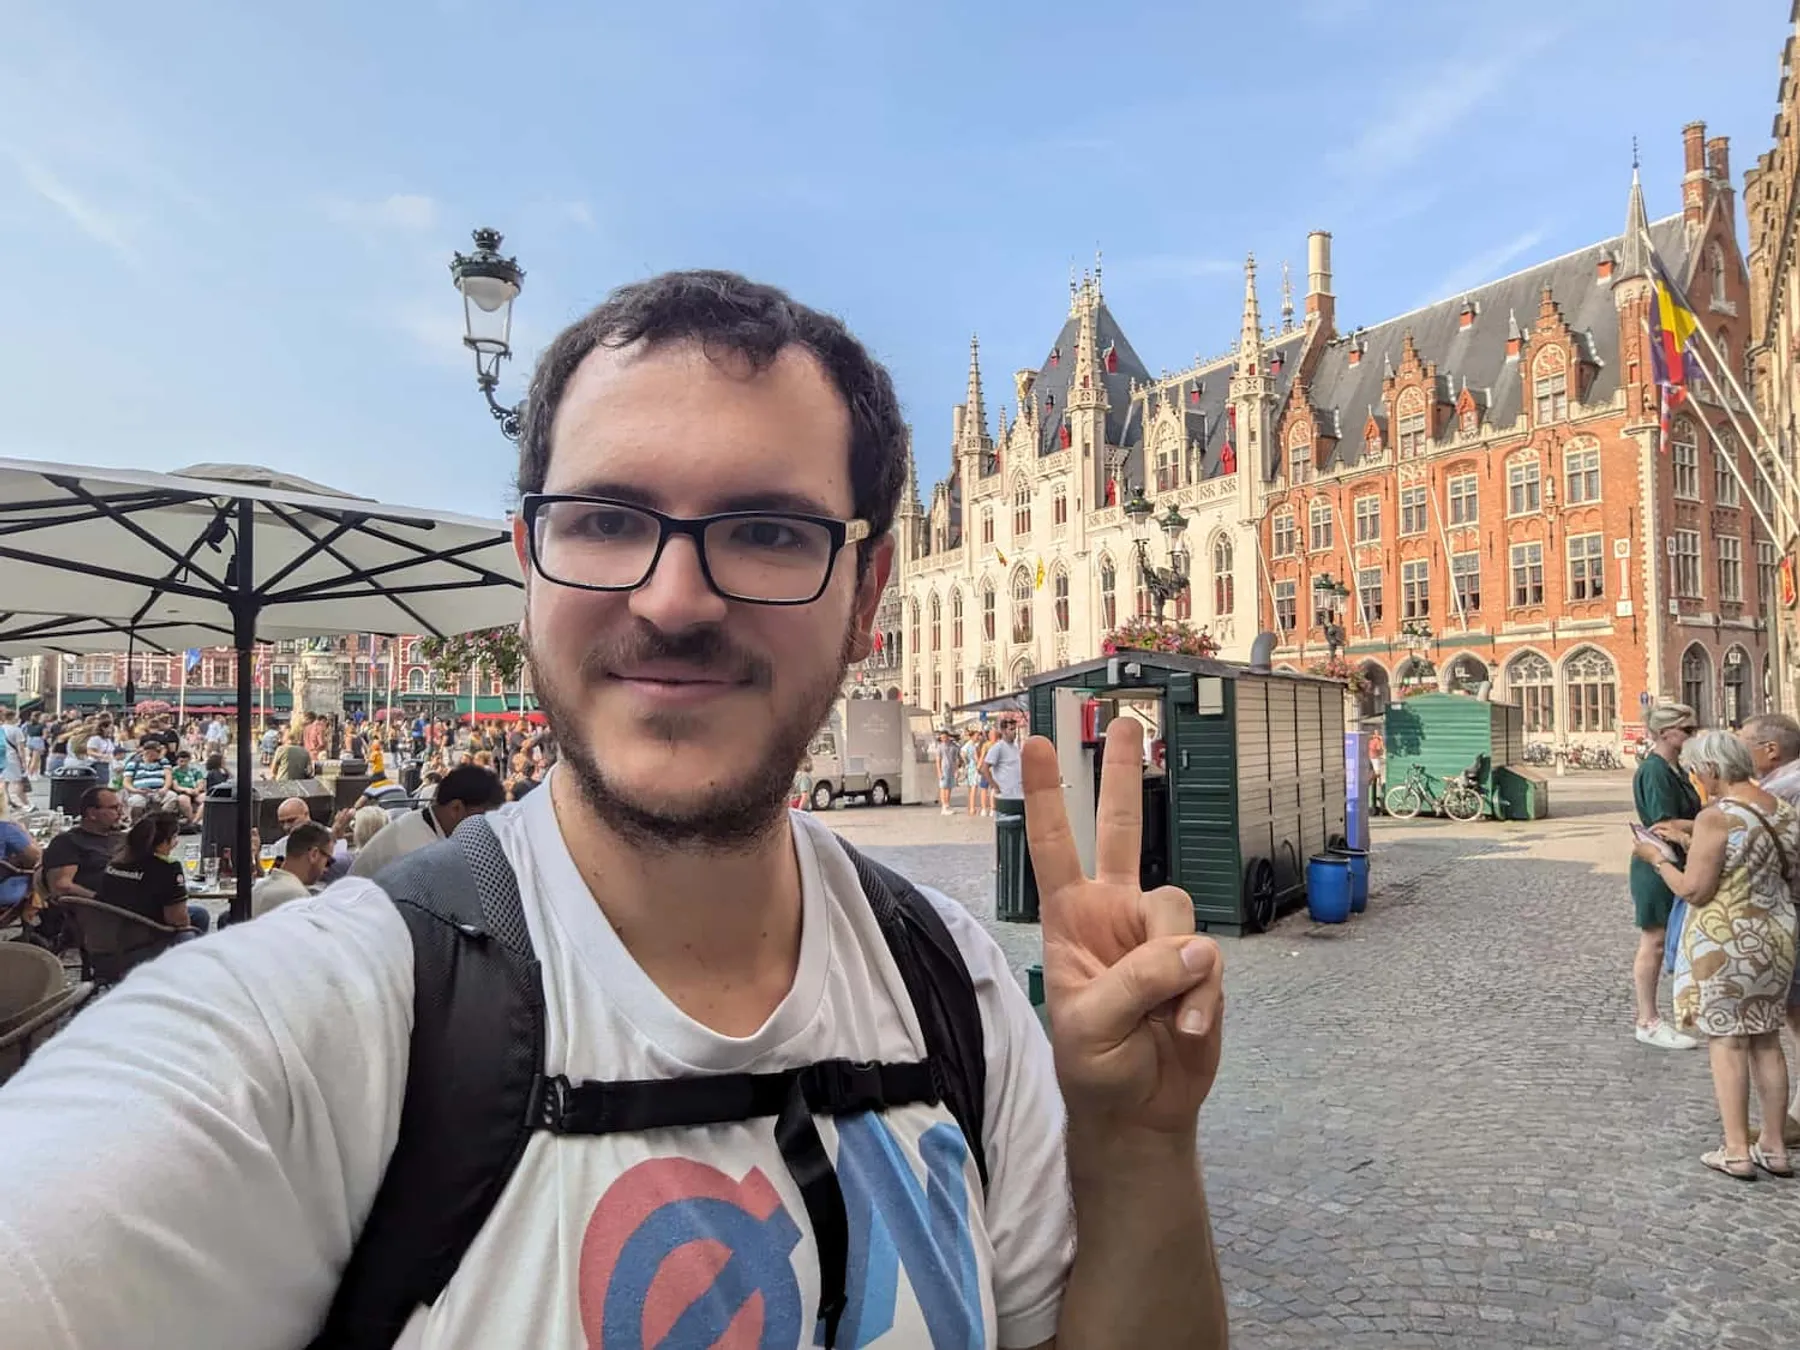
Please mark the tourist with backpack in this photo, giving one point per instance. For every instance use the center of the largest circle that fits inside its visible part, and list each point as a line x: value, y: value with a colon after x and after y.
x: 647, y: 1058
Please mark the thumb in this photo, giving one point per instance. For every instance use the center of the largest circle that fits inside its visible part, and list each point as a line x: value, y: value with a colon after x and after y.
x: 1155, y: 973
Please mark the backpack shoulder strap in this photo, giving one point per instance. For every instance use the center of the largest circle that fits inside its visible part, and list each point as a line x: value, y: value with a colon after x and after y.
x: 477, y: 1051
x: 942, y: 990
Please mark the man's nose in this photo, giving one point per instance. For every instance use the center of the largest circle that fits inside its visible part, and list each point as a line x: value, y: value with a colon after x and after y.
x: 676, y: 595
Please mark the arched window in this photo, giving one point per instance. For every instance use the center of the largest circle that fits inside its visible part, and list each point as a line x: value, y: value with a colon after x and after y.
x: 1550, y: 382
x: 1696, y: 681
x: 1022, y: 671
x: 1592, y: 683
x: 1467, y: 674
x: 1059, y: 506
x: 1143, y: 603
x: 1300, y: 453
x: 987, y: 524
x: 1715, y: 267
x: 1168, y: 459
x: 1737, y: 686
x: 1021, y: 606
x: 1224, y: 586
x: 1410, y: 417
x: 1531, y: 684
x: 937, y: 627
x: 1021, y: 508
x: 1059, y: 591
x: 912, y: 636
x: 987, y: 611
x: 956, y: 620
x: 1109, y: 595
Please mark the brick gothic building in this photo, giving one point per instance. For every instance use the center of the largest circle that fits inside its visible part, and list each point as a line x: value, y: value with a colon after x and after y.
x: 1487, y: 478
x: 1772, y: 213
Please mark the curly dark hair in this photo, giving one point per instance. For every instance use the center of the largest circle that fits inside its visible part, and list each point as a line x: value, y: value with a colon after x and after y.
x: 727, y: 313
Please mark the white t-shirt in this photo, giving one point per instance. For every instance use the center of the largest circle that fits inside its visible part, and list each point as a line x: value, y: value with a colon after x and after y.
x: 1003, y: 766
x: 238, y: 1098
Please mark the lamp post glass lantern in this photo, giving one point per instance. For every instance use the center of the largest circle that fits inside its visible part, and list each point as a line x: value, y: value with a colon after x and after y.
x: 489, y: 283
x: 1163, y: 583
x: 1332, y: 593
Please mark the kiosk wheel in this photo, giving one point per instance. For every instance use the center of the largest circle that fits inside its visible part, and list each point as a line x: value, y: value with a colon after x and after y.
x: 1259, y: 895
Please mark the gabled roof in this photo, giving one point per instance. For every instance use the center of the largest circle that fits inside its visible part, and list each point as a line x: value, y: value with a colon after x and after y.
x: 1205, y: 418
x: 1055, y: 380
x: 1478, y: 354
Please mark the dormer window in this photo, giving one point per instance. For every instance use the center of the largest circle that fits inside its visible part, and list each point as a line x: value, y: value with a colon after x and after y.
x: 1469, y: 421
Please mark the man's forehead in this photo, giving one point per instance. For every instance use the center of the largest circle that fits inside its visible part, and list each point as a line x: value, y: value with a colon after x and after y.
x: 676, y: 421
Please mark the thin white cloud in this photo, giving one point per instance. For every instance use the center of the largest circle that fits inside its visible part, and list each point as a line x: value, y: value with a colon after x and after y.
x: 399, y: 212
x: 579, y: 213
x: 97, y: 223
x: 1486, y: 266
x: 1421, y: 115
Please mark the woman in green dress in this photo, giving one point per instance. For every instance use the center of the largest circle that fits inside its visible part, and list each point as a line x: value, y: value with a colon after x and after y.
x: 1662, y: 792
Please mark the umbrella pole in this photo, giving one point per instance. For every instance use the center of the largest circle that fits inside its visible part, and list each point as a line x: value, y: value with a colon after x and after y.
x: 243, y: 619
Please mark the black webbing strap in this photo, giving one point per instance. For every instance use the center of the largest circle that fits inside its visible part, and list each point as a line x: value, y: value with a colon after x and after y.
x: 831, y: 1087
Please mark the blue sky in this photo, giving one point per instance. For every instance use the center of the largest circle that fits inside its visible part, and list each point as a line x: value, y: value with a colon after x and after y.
x: 230, y: 223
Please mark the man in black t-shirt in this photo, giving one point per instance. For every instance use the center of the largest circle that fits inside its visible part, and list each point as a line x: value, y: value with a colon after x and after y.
x: 76, y: 859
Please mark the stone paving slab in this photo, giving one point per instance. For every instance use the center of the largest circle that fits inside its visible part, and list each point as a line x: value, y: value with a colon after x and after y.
x: 1433, y: 1127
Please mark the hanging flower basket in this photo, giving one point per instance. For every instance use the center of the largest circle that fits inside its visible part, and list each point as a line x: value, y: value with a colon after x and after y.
x: 1171, y: 636
x: 1337, y: 668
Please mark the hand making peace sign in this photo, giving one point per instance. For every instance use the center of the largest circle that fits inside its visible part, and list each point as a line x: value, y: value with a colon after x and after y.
x: 1136, y: 999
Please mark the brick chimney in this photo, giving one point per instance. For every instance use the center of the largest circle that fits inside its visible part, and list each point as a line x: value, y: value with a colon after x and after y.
x: 1718, y: 158
x: 1693, y: 178
x: 1466, y: 316
x: 1604, y: 268
x: 1321, y: 305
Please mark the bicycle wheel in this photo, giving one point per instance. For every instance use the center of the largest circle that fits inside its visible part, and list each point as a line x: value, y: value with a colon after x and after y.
x: 1405, y: 801
x: 1462, y: 802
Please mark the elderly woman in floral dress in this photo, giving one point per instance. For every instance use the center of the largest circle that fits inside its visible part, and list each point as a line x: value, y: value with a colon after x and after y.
x: 1737, y: 948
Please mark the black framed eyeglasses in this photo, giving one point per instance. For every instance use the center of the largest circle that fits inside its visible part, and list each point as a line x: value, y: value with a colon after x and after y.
x: 758, y: 557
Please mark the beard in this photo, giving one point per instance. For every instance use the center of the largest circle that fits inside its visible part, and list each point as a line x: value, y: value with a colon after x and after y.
x: 725, y: 817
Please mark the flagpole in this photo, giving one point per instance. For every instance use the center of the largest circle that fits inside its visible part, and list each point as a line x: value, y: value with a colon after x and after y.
x: 1431, y: 505
x: 1350, y: 558
x: 1730, y: 460
x: 1780, y: 497
x: 1793, y: 484
x: 181, y: 697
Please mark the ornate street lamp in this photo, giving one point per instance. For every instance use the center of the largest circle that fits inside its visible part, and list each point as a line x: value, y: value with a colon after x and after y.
x: 489, y: 283
x: 1163, y: 583
x: 1333, y: 593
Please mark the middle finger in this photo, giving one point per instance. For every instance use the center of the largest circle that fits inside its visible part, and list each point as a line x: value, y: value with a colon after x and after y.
x: 1119, y: 825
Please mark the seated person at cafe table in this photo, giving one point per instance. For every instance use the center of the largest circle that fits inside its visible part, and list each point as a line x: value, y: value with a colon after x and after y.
x: 301, y: 867
x: 144, y: 879
x: 77, y: 859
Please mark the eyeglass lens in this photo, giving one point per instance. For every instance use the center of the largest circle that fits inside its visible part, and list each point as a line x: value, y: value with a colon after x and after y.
x: 610, y: 546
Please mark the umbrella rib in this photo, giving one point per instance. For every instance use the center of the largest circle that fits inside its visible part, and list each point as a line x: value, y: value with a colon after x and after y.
x: 311, y: 589
x: 76, y: 516
x: 383, y: 592
x: 450, y: 555
x: 306, y: 556
x: 182, y: 561
x: 104, y: 573
x: 353, y: 571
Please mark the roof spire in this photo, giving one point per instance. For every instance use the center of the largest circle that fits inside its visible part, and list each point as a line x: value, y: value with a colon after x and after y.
x: 1250, y: 347
x: 909, y: 503
x: 1096, y: 268
x: 1287, y: 300
x: 1634, y: 250
x: 974, y: 408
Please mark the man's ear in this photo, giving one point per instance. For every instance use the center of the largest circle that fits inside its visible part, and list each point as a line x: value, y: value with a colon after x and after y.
x: 869, y: 587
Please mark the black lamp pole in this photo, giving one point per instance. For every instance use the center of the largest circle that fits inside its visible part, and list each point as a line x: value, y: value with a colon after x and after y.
x: 1163, y: 583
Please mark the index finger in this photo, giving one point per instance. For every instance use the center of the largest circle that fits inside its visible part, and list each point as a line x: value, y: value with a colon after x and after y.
x: 1054, y: 857
x: 1119, y: 825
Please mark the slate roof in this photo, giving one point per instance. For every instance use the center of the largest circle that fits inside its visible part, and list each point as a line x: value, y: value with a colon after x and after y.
x: 1477, y: 355
x: 1206, y: 419
x: 1122, y: 427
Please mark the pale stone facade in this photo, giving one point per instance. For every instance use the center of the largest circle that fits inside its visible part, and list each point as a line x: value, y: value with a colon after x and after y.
x: 1022, y: 559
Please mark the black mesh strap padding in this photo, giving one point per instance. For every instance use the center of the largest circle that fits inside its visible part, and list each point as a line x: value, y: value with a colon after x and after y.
x: 831, y: 1087
x: 477, y: 1049
x: 942, y: 991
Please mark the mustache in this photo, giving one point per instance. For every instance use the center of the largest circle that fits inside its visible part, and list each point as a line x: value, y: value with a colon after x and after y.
x: 706, y: 649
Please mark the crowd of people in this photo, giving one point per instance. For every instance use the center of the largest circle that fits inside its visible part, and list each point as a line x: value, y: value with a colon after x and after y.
x: 1715, y: 874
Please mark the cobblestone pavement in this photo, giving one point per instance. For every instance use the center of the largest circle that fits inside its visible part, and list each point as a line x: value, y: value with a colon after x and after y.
x: 1433, y: 1126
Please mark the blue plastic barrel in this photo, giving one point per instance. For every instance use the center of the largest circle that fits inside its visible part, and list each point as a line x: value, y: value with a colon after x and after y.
x: 1328, y: 888
x: 1358, y: 859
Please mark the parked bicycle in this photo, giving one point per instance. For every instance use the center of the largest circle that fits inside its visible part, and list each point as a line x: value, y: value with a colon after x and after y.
x: 1459, y: 799
x: 1537, y: 752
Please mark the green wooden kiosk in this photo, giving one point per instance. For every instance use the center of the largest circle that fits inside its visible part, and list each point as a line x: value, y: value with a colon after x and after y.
x: 1446, y: 734
x: 1247, y: 784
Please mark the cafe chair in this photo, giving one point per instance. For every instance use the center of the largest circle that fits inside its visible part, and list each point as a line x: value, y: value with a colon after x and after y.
x: 114, y: 941
x: 35, y: 998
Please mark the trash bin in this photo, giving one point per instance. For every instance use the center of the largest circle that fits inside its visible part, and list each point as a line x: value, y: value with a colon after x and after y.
x: 1034, y: 990
x: 67, y: 785
x: 1015, y: 885
x: 410, y: 773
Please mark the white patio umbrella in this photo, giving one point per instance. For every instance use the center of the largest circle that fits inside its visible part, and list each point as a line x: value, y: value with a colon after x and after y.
x: 94, y: 559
